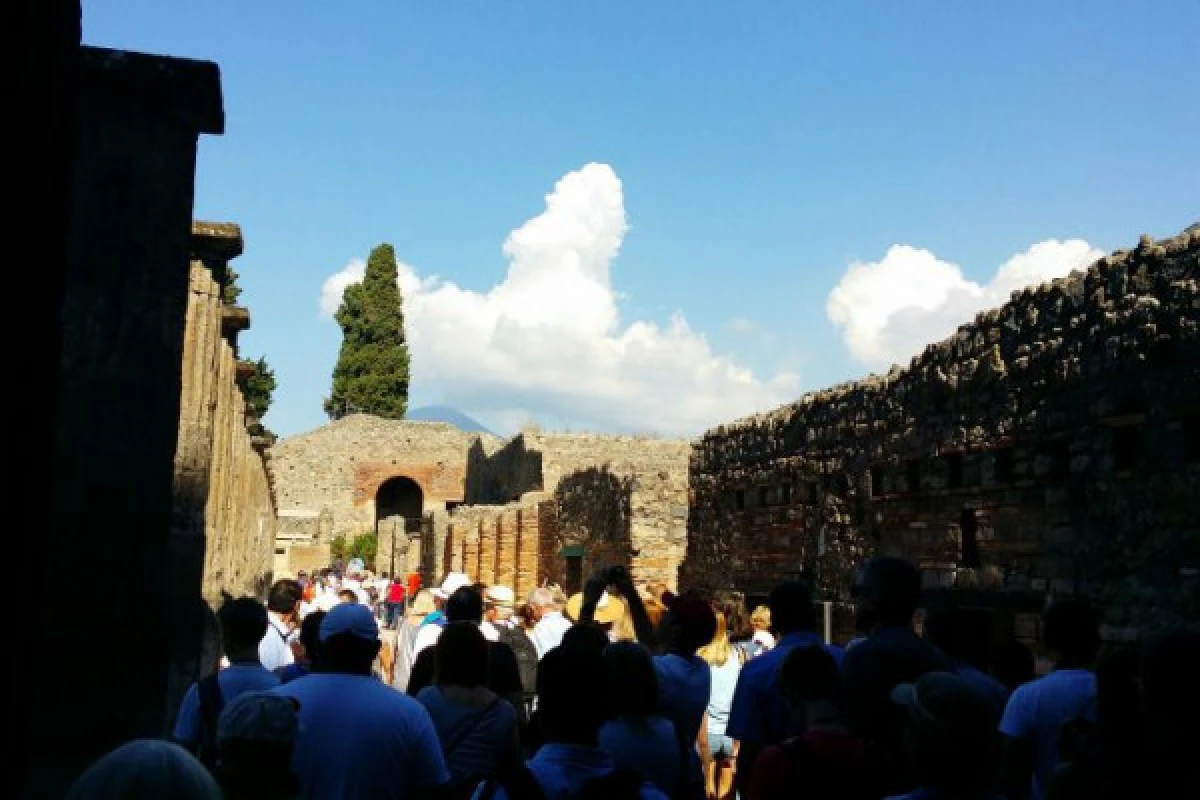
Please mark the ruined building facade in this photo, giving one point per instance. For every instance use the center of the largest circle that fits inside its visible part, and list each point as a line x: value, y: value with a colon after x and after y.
x: 538, y: 507
x: 1051, y: 446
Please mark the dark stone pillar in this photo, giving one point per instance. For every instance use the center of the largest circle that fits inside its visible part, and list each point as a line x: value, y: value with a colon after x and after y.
x: 105, y: 650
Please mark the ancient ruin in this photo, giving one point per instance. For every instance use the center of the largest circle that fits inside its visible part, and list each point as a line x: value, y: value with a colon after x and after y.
x: 1050, y: 446
x: 540, y: 506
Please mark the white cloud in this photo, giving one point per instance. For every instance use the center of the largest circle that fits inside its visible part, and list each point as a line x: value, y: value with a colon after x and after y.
x: 740, y: 326
x: 548, y: 342
x: 890, y: 309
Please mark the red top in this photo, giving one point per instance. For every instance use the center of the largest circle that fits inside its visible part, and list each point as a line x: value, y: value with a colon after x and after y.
x: 395, y: 592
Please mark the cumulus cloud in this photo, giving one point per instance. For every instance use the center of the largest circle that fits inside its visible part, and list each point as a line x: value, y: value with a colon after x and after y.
x: 548, y: 341
x: 888, y: 310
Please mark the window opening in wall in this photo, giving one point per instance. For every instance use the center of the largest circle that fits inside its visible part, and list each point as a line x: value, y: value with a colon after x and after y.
x: 876, y: 481
x: 954, y: 470
x: 1127, y: 444
x: 969, y: 526
x: 764, y: 496
x: 912, y: 474
x: 574, y: 574
x: 1004, y: 464
x: 739, y: 499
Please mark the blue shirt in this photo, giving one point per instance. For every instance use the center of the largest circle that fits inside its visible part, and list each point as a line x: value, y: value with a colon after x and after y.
x: 1038, y: 710
x: 232, y: 681
x: 562, y: 769
x: 759, y: 712
x: 648, y: 747
x: 481, y: 736
x: 359, y: 737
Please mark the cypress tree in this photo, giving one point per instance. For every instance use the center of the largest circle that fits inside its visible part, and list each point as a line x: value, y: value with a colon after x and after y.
x: 371, y: 375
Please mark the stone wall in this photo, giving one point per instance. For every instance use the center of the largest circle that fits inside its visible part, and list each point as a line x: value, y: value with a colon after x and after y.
x: 607, y: 500
x: 1050, y: 446
x: 339, y: 468
x: 222, y: 489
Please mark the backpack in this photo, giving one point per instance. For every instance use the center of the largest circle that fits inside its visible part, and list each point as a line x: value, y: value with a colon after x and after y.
x: 527, y: 656
x: 211, y: 703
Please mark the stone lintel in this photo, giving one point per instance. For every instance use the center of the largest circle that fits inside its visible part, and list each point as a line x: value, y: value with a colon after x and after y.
x: 234, y: 320
x: 245, y: 369
x: 216, y: 241
x: 187, y: 90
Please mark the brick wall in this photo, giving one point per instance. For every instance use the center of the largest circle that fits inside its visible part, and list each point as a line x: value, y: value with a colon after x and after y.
x: 1050, y: 446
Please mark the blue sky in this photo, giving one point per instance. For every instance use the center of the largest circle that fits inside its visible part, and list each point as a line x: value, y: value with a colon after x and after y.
x: 781, y: 195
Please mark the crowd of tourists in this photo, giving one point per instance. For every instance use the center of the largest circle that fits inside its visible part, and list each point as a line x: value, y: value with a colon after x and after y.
x: 461, y: 691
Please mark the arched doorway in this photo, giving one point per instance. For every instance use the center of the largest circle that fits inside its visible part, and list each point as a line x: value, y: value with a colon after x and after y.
x: 398, y: 500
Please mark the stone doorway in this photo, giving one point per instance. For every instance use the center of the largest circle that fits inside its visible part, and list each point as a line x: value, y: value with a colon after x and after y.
x: 399, y: 504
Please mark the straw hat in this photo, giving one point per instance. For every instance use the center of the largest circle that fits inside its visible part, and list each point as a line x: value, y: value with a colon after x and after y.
x: 610, y: 608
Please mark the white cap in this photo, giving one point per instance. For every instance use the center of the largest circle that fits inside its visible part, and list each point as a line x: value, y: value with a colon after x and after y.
x: 453, y: 582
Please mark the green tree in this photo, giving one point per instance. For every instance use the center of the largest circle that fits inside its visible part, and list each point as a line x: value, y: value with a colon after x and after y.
x: 371, y: 375
x: 337, y: 547
x: 365, y: 546
x: 259, y: 389
x: 230, y: 292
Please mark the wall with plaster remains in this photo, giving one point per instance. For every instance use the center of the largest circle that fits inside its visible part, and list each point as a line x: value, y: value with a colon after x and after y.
x: 1050, y: 446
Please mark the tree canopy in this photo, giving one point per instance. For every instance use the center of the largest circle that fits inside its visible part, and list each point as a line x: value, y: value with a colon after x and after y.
x: 259, y: 389
x: 371, y: 374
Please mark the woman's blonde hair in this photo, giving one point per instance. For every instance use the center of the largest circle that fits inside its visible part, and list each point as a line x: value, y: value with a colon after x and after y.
x: 716, y: 652
x: 761, y: 617
x: 422, y: 604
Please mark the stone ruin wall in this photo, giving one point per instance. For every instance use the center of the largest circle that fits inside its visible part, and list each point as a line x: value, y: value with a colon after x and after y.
x: 338, y: 468
x: 223, y: 493
x: 611, y: 499
x: 1052, y: 445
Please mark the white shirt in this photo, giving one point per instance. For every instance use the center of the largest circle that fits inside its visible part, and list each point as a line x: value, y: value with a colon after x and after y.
x: 490, y: 632
x: 275, y: 650
x: 362, y: 738
x: 427, y: 635
x: 549, y: 630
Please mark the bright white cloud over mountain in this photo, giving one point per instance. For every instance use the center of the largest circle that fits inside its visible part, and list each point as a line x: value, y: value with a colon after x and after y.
x: 548, y: 342
x: 888, y: 310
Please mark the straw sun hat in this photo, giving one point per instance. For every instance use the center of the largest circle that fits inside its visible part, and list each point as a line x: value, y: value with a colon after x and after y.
x: 609, y: 609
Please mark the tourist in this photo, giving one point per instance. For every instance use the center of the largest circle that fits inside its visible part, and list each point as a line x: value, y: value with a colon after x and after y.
x: 609, y: 600
x: 571, y: 764
x: 256, y: 738
x: 636, y: 735
x: 498, y: 604
x: 724, y: 661
x: 310, y: 646
x: 421, y: 605
x: 684, y: 680
x: 283, y: 611
x: 950, y: 738
x: 1037, y: 712
x: 759, y: 715
x: 431, y: 626
x: 243, y: 621
x: 963, y: 637
x: 887, y: 591
x: 500, y: 612
x: 359, y: 737
x: 477, y: 729
x: 394, y: 600
x: 146, y: 768
x: 549, y: 622
x: 504, y: 678
x: 824, y: 759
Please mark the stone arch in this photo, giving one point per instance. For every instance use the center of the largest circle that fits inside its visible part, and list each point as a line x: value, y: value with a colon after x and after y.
x: 399, y: 496
x: 399, y: 507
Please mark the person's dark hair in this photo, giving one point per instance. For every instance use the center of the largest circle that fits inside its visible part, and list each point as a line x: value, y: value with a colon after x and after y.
x: 792, y: 608
x: 590, y: 638
x: 632, y: 681
x: 345, y: 652
x: 243, y: 623
x: 737, y: 621
x: 461, y: 656
x: 1012, y: 663
x: 893, y: 587
x: 808, y: 674
x: 348, y: 595
x: 690, y: 623
x: 465, y: 605
x: 310, y: 634
x: 571, y: 700
x: 284, y: 595
x: 1071, y: 630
